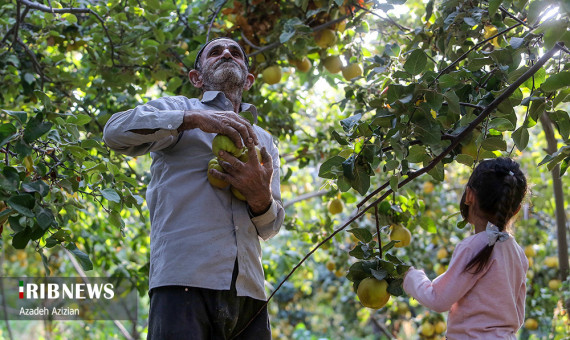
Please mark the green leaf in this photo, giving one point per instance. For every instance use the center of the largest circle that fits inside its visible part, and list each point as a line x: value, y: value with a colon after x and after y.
x: 36, y: 128
x: 520, y: 137
x: 437, y: 173
x: 83, y: 258
x: 361, y: 180
x: 416, y: 154
x: 23, y: 204
x: 9, y: 179
x: 416, y: 62
x: 285, y: 36
x: 362, y: 234
x: 494, y: 6
x: 464, y: 159
x: 389, y: 246
x: 21, y: 239
x: 80, y: 119
x: 452, y: 102
x: 7, y: 133
x: 111, y: 195
x: 45, y: 218
x: 516, y: 42
x: 556, y: 81
x: 448, y: 80
x: 326, y: 169
x: 537, y: 108
x: 45, y: 262
x: 380, y: 274
x: 21, y: 116
x: 395, y: 287
x: 501, y: 124
x: 249, y: 116
x: 361, y: 252
x: 494, y: 143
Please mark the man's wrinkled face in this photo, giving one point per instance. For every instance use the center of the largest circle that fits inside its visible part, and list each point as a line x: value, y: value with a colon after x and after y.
x: 223, y: 65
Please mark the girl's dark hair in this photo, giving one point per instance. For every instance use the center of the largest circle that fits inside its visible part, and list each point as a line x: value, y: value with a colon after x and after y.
x: 499, y: 187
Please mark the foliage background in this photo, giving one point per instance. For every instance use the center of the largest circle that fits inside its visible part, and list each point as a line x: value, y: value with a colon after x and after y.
x: 70, y: 205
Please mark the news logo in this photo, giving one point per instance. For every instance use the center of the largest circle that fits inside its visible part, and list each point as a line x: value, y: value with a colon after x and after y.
x: 74, y: 298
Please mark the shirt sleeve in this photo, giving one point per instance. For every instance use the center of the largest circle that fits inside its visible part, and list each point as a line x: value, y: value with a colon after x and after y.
x: 160, y: 118
x: 447, y: 288
x: 269, y: 223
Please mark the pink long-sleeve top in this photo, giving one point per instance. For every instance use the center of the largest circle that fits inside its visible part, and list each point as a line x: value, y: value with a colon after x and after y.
x: 487, y: 305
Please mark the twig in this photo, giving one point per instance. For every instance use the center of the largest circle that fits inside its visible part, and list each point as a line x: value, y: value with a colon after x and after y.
x: 478, y: 107
x: 35, y: 62
x: 390, y: 20
x: 304, y: 197
x: 378, y: 230
x: 47, y: 9
x: 381, y: 327
x: 17, y: 26
x: 81, y: 273
x: 512, y: 16
x: 464, y: 55
x: 214, y: 19
x: 184, y: 21
x: 249, y: 42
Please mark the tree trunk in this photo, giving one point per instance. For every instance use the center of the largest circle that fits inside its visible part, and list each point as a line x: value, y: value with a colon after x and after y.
x: 558, y: 199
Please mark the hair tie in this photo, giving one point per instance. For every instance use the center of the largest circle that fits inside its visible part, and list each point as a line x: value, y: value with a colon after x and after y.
x: 494, y: 235
x: 511, y: 173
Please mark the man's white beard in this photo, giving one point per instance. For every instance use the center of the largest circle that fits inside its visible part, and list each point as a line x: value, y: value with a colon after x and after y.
x: 225, y: 76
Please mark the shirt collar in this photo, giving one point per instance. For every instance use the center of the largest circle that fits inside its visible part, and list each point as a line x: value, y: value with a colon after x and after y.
x: 219, y: 98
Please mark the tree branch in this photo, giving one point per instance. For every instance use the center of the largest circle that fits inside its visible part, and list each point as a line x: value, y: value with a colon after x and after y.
x: 389, y: 19
x: 357, y: 214
x: 214, y: 19
x: 17, y: 26
x: 304, y: 197
x: 81, y: 273
x: 558, y: 198
x: 512, y: 16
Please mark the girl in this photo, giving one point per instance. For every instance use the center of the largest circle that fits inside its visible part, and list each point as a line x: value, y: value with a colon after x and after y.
x: 484, y: 287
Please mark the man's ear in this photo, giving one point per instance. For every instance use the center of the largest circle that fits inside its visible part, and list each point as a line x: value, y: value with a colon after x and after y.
x: 248, y: 81
x: 196, y: 78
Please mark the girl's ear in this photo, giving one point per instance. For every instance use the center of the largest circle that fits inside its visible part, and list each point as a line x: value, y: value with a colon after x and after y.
x: 469, y: 196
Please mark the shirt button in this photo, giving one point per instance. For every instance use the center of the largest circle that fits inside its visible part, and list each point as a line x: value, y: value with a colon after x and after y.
x: 186, y: 289
x: 237, y: 228
x: 170, y: 126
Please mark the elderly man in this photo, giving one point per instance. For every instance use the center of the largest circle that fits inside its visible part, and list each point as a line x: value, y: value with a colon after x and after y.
x: 206, y: 277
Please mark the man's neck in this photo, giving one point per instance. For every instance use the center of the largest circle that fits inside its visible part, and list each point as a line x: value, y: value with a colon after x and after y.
x: 233, y: 95
x: 235, y: 98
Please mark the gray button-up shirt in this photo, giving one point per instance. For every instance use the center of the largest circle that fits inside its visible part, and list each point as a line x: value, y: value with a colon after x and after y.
x: 197, y: 230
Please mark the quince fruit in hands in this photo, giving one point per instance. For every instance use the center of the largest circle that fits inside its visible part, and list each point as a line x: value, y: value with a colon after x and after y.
x: 222, y: 142
x: 218, y: 183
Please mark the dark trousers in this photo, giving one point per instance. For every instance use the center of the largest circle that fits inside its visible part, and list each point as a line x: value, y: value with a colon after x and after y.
x: 191, y: 313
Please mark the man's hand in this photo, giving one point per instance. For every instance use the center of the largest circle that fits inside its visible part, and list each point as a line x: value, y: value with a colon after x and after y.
x: 252, y: 179
x: 226, y: 123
